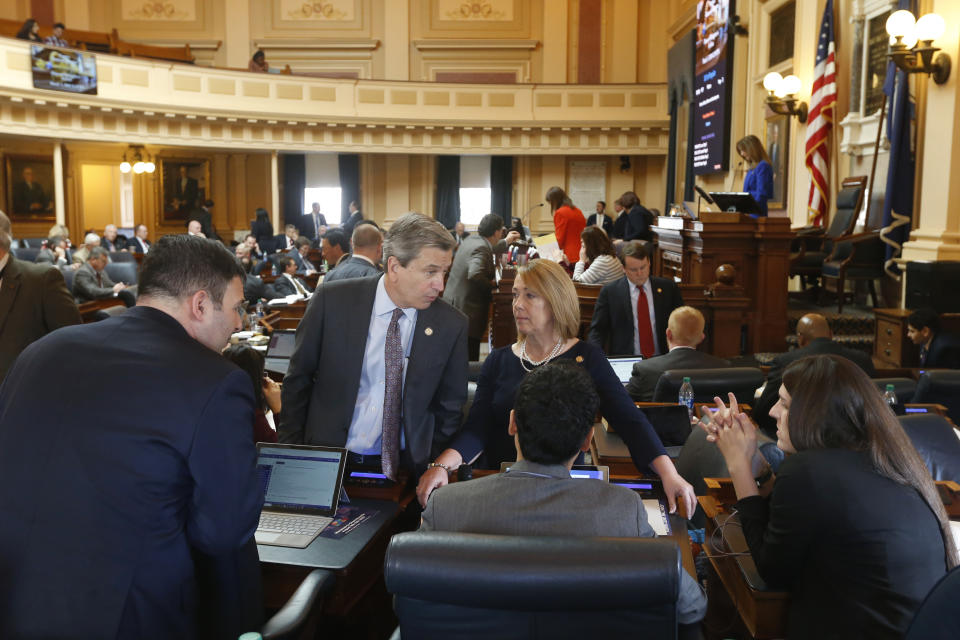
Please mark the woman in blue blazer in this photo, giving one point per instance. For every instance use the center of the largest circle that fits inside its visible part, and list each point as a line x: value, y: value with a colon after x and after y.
x: 759, y: 179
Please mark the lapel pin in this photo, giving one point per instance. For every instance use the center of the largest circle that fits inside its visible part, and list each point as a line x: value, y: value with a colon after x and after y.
x: 428, y: 331
x: 659, y: 290
x: 579, y: 359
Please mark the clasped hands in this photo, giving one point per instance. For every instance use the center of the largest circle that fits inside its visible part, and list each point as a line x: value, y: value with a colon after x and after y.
x: 734, y: 434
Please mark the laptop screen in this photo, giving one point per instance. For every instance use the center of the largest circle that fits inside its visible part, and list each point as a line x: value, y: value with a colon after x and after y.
x: 623, y: 367
x: 281, y: 344
x: 297, y: 478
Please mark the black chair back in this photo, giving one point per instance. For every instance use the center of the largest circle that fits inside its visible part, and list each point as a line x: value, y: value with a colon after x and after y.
x: 936, y: 441
x: 941, y: 386
x: 125, y: 272
x: 122, y: 256
x: 32, y: 243
x: 707, y: 383
x: 472, y: 585
x: 68, y: 273
x: 27, y: 254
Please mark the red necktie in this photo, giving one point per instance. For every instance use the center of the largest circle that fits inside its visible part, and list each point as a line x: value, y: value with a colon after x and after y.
x: 643, y: 326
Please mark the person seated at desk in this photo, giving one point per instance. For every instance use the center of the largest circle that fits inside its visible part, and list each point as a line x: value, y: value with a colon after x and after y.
x: 289, y: 283
x: 852, y: 524
x: 92, y: 283
x: 759, y: 179
x: 299, y: 253
x: 684, y: 334
x: 266, y: 392
x: 551, y: 424
x: 547, y: 314
x: 938, y: 349
x: 598, y: 262
x: 367, y: 253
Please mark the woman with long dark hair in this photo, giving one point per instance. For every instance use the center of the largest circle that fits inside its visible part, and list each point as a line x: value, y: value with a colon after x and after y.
x: 639, y: 219
x: 852, y: 524
x: 266, y: 392
x: 598, y: 263
x: 262, y: 229
x: 30, y: 30
x: 568, y: 222
x: 759, y: 179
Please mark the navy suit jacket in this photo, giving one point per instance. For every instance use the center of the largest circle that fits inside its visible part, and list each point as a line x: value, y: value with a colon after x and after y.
x: 612, y: 326
x: 321, y: 385
x: 607, y: 222
x: 102, y: 509
x: 944, y: 352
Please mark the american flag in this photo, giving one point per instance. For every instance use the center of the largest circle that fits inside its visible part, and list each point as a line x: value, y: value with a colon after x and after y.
x: 820, y: 122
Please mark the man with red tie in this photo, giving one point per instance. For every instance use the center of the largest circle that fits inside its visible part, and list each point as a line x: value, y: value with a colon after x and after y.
x: 630, y: 316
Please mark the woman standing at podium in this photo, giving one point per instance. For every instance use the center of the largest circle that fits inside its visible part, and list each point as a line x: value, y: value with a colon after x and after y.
x: 759, y: 179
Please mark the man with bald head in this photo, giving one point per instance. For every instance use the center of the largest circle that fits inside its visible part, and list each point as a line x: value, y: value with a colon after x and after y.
x: 684, y: 334
x: 814, y: 337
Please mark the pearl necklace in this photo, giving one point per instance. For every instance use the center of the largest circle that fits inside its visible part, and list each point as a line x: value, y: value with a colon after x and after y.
x: 550, y: 356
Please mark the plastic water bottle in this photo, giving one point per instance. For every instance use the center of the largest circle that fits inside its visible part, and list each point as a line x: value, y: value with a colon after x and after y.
x: 686, y: 395
x: 259, y: 310
x: 890, y: 397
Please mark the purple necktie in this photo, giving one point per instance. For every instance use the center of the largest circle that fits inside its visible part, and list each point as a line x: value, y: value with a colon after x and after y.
x: 393, y: 363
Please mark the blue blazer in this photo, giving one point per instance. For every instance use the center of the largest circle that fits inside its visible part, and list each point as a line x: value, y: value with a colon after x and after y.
x: 137, y: 454
x: 759, y: 183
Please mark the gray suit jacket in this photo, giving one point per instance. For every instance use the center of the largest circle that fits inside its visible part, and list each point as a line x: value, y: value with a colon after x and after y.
x: 643, y: 378
x: 353, y: 267
x: 321, y: 385
x: 33, y: 302
x: 469, y: 287
x: 85, y: 287
x: 543, y: 500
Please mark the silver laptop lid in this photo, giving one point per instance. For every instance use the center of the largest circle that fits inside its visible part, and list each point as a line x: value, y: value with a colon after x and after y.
x: 300, y: 479
x: 623, y: 367
x: 281, y: 344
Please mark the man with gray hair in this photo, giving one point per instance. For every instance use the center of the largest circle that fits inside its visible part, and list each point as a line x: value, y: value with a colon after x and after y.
x: 90, y: 241
x: 367, y: 251
x: 33, y: 301
x: 93, y: 283
x: 361, y: 338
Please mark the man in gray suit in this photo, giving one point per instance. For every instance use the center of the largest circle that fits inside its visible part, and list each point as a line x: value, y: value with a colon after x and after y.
x: 472, y: 278
x: 684, y: 333
x: 33, y: 301
x: 91, y: 282
x: 367, y: 244
x: 361, y: 337
x: 551, y: 423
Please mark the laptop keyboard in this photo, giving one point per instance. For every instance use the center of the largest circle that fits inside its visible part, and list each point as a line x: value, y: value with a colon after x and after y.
x: 296, y: 525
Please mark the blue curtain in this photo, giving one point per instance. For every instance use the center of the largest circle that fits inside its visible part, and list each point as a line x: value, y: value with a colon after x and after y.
x: 349, y: 183
x: 448, y: 190
x: 501, y: 187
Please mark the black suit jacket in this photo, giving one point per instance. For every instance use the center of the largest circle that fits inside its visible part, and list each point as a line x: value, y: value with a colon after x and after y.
x: 646, y: 373
x: 355, y: 218
x: 308, y: 226
x: 283, y: 287
x: 607, y: 222
x: 944, y: 352
x: 639, y: 219
x: 133, y: 245
x: 612, y: 326
x: 33, y: 302
x: 818, y: 346
x: 321, y: 385
x: 118, y: 245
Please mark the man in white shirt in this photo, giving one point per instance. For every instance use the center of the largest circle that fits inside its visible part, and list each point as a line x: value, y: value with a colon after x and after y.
x: 139, y: 244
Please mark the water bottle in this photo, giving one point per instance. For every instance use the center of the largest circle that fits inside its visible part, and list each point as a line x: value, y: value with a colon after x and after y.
x: 686, y: 395
x: 259, y: 310
x: 890, y: 397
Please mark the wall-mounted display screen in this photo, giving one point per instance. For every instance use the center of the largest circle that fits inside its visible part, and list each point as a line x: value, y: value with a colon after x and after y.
x: 63, y: 70
x: 711, y: 100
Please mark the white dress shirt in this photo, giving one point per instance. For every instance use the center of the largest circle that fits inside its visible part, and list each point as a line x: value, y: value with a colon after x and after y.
x: 366, y: 426
x: 634, y: 297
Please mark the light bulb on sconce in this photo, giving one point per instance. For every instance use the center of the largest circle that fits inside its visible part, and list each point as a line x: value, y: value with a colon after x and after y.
x: 782, y: 95
x: 125, y: 167
x: 138, y: 168
x: 929, y: 27
x: 900, y: 23
x: 149, y: 167
x: 911, y: 44
x: 771, y: 81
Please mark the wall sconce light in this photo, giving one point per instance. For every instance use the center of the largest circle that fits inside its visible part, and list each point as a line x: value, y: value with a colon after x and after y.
x: 782, y: 95
x: 911, y: 44
x: 138, y: 166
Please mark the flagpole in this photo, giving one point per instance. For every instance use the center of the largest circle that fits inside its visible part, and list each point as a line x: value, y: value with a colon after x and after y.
x: 876, y: 151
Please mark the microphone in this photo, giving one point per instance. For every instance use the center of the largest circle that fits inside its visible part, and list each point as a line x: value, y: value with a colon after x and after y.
x: 703, y: 194
x: 738, y: 170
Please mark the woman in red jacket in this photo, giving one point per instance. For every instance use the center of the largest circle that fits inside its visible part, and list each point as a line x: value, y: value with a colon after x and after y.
x: 568, y: 222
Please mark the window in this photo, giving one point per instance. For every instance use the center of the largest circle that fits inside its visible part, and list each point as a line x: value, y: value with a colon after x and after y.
x: 474, y: 189
x: 329, y: 199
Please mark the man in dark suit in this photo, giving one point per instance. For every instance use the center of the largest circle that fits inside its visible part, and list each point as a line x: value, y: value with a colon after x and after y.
x: 355, y: 218
x: 315, y: 224
x: 253, y: 287
x: 91, y: 282
x: 684, y: 333
x: 286, y: 240
x: 335, y: 247
x: 102, y: 509
x: 367, y: 244
x: 289, y: 283
x: 28, y: 196
x: 938, y: 350
x: 472, y: 278
x: 299, y: 253
x: 551, y: 424
x: 601, y: 219
x: 111, y: 240
x: 33, y: 301
x: 814, y: 337
x: 203, y: 215
x: 139, y: 243
x: 616, y: 326
x: 185, y: 191
x: 357, y: 342
x: 459, y: 233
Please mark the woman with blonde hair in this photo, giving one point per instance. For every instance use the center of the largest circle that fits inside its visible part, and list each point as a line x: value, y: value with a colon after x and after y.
x: 759, y: 179
x: 547, y: 313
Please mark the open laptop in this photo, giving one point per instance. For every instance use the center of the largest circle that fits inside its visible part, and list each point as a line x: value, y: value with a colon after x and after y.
x: 623, y: 367
x: 279, y: 350
x: 301, y: 490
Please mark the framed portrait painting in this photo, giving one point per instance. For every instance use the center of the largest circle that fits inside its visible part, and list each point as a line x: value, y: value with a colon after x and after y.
x: 776, y: 140
x: 29, y: 187
x: 184, y: 185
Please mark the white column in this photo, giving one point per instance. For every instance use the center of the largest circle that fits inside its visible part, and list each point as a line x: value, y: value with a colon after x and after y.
x: 58, y: 198
x: 555, y: 23
x: 396, y: 40
x: 275, y: 190
x: 237, y: 44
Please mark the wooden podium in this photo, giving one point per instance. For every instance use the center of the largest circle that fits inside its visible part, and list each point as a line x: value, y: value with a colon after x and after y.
x: 759, y: 250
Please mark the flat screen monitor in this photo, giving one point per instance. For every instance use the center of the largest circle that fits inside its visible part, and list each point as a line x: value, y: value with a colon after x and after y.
x: 63, y: 70
x: 711, y: 86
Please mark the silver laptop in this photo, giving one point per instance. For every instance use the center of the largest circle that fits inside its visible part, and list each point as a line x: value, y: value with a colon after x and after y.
x: 623, y: 367
x: 279, y: 350
x: 301, y: 490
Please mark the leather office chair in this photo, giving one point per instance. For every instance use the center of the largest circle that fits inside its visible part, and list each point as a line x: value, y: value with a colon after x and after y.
x: 938, y: 617
x: 27, y: 254
x: 68, y: 272
x: 507, y: 587
x: 903, y: 387
x: 707, y: 383
x: 941, y: 386
x: 812, y: 245
x: 122, y: 256
x: 32, y: 243
x: 936, y: 441
x: 122, y: 272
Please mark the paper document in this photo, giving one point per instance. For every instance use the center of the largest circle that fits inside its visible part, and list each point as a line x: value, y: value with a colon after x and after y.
x: 657, y: 516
